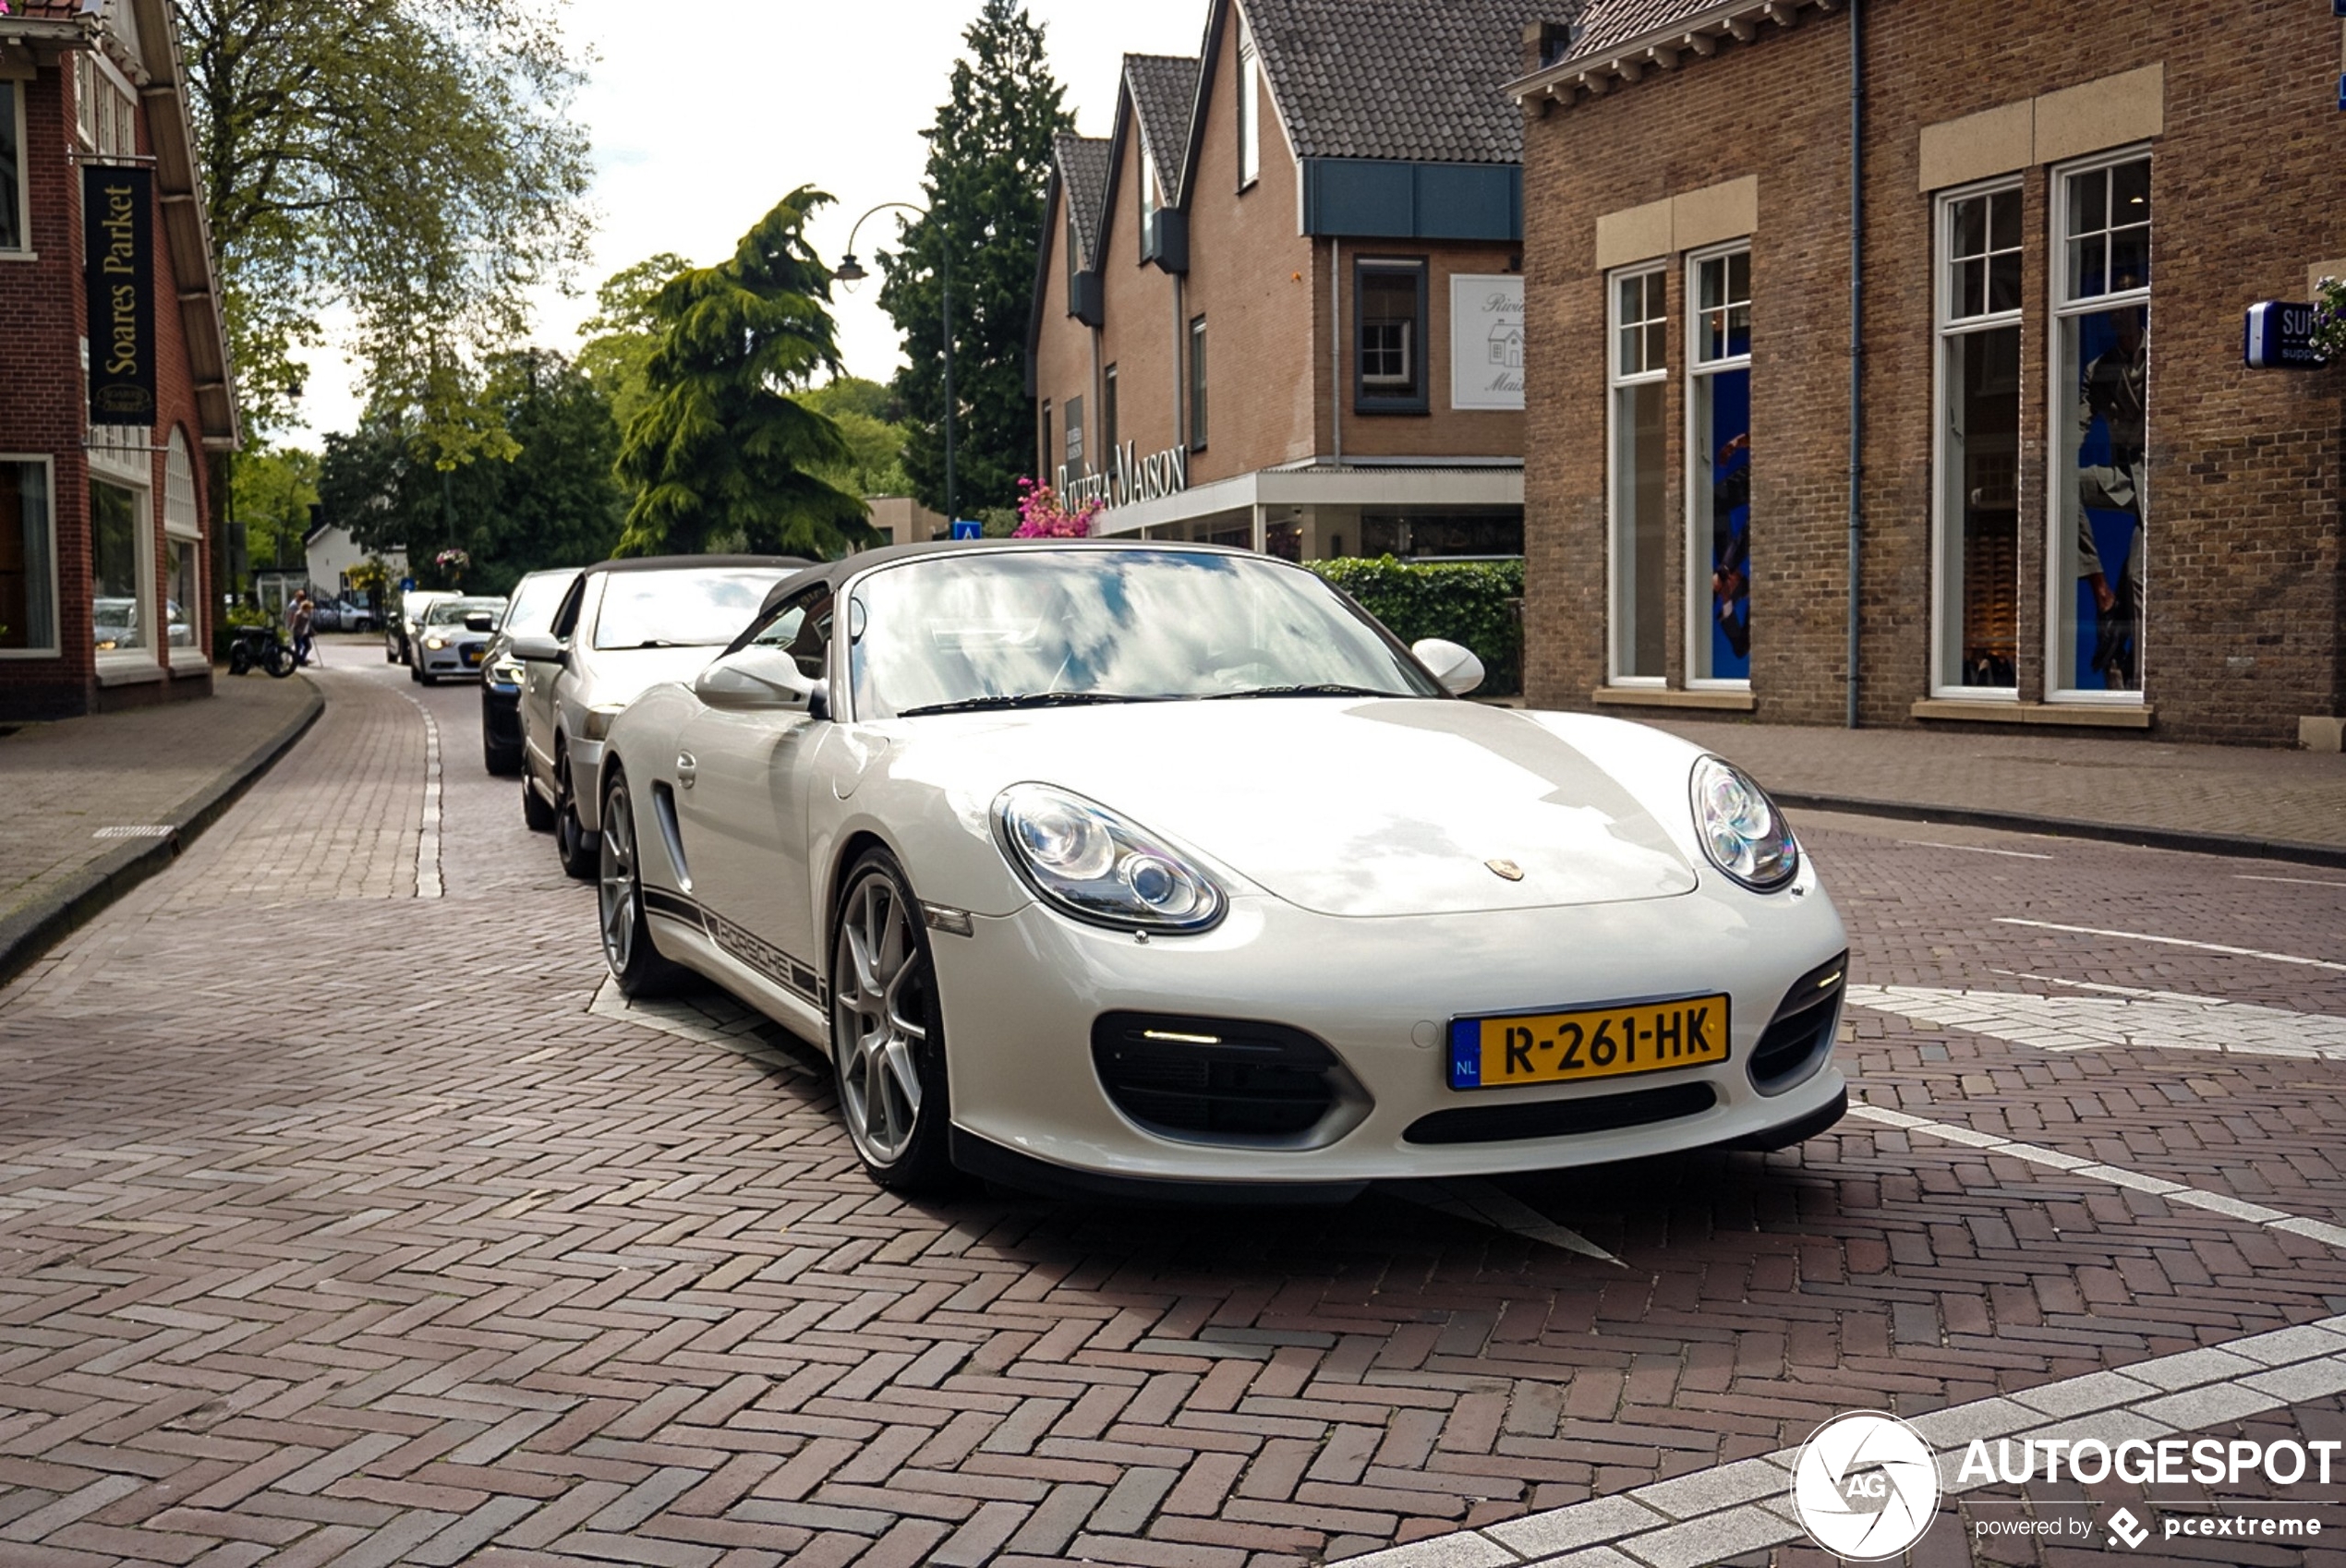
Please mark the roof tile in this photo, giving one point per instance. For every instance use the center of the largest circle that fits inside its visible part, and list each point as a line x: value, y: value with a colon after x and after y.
x: 1163, y: 89
x: 1083, y: 168
x: 1610, y: 23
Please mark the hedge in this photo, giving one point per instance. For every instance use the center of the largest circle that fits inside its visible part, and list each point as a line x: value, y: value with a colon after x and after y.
x: 1474, y: 602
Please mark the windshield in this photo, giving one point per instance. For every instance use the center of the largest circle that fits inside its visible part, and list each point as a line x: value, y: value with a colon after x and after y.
x: 688, y: 608
x: 1047, y: 627
x: 451, y: 612
x: 537, y: 598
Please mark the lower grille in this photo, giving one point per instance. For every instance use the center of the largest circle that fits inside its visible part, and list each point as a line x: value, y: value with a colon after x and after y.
x: 1215, y: 1079
x: 1799, y: 1037
x: 1560, y: 1118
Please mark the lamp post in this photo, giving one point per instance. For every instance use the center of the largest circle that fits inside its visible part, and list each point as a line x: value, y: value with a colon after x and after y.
x: 850, y: 271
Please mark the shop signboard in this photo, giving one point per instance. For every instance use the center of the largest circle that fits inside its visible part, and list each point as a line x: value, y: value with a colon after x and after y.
x: 117, y: 250
x: 1487, y: 340
x: 2280, y: 337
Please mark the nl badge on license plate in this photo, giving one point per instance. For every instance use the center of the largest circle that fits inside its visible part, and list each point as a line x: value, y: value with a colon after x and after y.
x: 1496, y: 1053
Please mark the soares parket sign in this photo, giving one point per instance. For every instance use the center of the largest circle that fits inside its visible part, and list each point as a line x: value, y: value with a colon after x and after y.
x: 118, y: 267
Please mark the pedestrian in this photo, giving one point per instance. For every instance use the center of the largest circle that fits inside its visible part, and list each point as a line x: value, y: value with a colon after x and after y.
x: 301, y: 616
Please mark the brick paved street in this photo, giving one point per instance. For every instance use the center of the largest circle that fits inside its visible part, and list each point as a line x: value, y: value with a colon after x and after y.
x: 344, y: 1218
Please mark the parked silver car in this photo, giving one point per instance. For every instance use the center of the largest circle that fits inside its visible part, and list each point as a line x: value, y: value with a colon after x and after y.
x: 624, y: 626
x: 529, y: 613
x: 399, y: 632
x: 452, y: 637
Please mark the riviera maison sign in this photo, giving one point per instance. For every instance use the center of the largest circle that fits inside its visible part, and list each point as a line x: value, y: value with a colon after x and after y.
x: 118, y: 252
x: 1487, y: 340
x: 1133, y: 478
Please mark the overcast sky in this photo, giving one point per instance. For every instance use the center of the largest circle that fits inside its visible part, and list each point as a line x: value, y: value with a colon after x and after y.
x: 704, y: 115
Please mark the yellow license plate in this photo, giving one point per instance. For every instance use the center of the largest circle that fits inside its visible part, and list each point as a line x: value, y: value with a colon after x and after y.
x: 1496, y: 1053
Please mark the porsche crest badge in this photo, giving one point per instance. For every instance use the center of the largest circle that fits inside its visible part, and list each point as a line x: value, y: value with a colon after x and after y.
x: 1507, y: 869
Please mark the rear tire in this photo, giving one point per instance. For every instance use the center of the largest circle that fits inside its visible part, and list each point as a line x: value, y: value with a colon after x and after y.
x: 888, y: 1031
x: 239, y: 660
x: 634, y: 958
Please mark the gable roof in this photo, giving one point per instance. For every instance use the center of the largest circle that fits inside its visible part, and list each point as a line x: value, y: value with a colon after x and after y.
x: 1625, y: 41
x: 1082, y: 162
x: 1164, y: 91
x: 1413, y: 80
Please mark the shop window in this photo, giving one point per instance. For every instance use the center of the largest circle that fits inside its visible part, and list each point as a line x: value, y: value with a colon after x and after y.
x: 2100, y: 413
x: 183, y: 610
x: 1719, y: 467
x: 1072, y: 460
x: 28, y: 560
x: 181, y: 603
x: 1638, y: 371
x: 117, y: 543
x: 1250, y: 112
x: 1977, y: 526
x: 1108, y: 417
x: 14, y: 222
x: 1388, y: 363
x: 1452, y: 536
x: 1197, y: 383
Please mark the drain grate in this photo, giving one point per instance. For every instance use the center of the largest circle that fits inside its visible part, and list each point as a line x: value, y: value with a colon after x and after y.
x: 132, y: 833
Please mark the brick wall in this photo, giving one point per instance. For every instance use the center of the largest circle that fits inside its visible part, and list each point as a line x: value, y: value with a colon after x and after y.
x: 2244, y: 543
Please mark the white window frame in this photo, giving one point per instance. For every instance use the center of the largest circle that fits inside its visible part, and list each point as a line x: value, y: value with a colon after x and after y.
x: 1698, y: 497
x: 1615, y: 380
x: 133, y: 663
x: 23, y: 252
x: 2061, y: 414
x: 56, y: 600
x: 188, y: 530
x: 1250, y: 126
x: 1946, y: 326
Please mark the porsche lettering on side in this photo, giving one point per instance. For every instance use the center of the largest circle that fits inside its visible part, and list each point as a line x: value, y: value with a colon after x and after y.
x: 1156, y: 869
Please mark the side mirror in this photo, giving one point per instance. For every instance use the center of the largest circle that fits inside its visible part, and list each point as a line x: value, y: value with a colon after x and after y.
x: 1456, y: 669
x: 756, y: 677
x: 480, y: 621
x: 537, y: 649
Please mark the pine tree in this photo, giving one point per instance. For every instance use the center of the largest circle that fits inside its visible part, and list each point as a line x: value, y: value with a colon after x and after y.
x: 989, y: 155
x: 721, y: 457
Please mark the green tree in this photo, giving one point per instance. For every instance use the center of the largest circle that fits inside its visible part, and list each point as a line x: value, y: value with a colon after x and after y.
x: 870, y: 420
x: 720, y: 456
x: 619, y: 338
x: 276, y: 488
x: 988, y: 152
x: 413, y: 161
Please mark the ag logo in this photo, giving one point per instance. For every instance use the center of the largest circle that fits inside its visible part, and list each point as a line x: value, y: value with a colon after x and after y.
x: 1865, y: 1486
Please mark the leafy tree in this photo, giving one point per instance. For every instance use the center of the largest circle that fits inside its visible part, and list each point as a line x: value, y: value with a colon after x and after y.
x: 721, y: 457
x: 619, y: 338
x: 276, y: 488
x: 414, y: 160
x: 870, y: 420
x: 989, y: 149
x: 553, y: 503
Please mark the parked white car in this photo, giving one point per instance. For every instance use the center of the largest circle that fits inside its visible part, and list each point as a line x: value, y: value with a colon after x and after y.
x: 625, y: 625
x: 1128, y: 868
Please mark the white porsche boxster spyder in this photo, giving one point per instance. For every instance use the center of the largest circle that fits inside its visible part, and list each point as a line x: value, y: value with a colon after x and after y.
x: 1142, y: 869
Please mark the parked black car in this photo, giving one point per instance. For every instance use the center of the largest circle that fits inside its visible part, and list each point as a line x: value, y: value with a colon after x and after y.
x: 530, y: 612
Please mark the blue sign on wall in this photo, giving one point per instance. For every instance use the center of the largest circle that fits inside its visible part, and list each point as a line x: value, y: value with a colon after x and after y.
x: 968, y: 529
x: 2280, y: 337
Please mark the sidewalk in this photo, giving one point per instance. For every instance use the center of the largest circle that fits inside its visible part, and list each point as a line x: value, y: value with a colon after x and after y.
x: 96, y: 805
x: 2220, y: 799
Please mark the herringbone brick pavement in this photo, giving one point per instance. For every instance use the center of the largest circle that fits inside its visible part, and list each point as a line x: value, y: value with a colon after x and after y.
x: 335, y: 1227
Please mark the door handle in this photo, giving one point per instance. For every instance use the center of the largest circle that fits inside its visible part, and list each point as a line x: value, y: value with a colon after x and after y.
x: 687, y: 770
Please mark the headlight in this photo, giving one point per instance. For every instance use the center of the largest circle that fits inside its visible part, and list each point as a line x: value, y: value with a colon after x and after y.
x: 508, y: 671
x: 1742, y: 831
x: 599, y: 719
x: 435, y: 643
x: 1099, y: 867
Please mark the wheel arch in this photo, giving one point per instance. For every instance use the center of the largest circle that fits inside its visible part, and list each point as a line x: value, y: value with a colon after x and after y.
x: 851, y: 847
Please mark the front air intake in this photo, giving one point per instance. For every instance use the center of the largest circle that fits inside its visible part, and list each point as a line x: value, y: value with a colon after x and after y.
x: 1799, y: 1038
x: 1220, y: 1081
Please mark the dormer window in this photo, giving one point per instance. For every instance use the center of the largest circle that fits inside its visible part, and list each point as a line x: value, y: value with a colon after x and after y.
x: 1249, y: 111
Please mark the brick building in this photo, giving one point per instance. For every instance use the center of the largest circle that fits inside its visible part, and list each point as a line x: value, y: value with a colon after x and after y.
x: 2070, y: 503
x: 1280, y: 303
x: 105, y: 529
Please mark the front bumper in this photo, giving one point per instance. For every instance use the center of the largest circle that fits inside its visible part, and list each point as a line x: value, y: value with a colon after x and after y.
x: 448, y: 663
x: 1022, y: 991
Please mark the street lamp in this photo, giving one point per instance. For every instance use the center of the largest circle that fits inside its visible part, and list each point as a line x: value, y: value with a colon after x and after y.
x: 850, y: 270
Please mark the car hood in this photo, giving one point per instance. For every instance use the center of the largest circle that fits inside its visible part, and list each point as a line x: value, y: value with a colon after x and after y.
x: 1360, y: 808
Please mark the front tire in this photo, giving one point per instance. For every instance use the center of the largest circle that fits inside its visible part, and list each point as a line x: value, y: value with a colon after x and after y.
x: 574, y: 846
x: 888, y: 1031
x: 281, y: 661
x: 636, y: 963
x: 536, y: 815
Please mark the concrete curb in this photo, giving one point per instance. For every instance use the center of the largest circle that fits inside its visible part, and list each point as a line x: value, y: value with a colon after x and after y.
x: 32, y: 931
x: 2235, y: 845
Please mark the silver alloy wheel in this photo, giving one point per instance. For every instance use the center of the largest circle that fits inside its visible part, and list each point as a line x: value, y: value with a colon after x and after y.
x: 879, y: 1018
x: 621, y: 893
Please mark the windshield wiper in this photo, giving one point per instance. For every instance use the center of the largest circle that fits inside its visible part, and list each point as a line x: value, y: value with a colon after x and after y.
x: 1318, y: 689
x: 1026, y: 699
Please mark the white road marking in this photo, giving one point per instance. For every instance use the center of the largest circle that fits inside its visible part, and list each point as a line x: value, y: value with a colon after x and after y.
x: 1482, y: 1203
x: 1975, y: 849
x: 2176, y: 942
x: 429, y: 883
x: 2293, y: 881
x: 2116, y: 1017
x: 679, y: 1017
